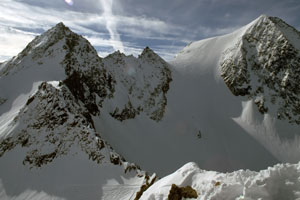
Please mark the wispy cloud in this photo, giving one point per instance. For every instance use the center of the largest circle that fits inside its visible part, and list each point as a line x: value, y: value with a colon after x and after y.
x: 111, y: 25
x: 12, y: 41
x: 103, y: 29
x: 129, y: 25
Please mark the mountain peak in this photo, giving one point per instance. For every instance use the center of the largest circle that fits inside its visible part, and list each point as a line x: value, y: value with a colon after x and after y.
x: 116, y: 54
x: 148, y: 53
x: 58, y: 31
x: 262, y: 21
x: 40, y: 44
x: 59, y: 42
x: 266, y: 22
x: 263, y: 65
x: 60, y: 25
x: 263, y: 16
x: 147, y: 50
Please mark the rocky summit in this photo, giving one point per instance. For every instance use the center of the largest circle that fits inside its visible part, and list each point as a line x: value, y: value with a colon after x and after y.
x: 264, y: 65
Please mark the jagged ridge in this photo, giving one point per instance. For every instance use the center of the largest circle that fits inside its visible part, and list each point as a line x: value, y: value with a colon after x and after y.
x: 56, y: 118
x: 54, y: 123
x: 146, y: 79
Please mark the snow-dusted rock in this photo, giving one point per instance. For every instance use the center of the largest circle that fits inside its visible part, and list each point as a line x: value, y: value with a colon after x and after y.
x: 51, y: 91
x: 264, y: 65
x: 279, y: 182
x: 141, y: 85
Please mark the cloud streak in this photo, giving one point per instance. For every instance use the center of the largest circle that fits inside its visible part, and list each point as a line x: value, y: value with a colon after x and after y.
x: 129, y: 25
x: 100, y: 29
x: 12, y: 41
x: 111, y: 25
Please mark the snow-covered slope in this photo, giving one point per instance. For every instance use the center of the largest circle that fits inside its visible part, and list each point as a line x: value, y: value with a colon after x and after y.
x: 279, y: 182
x: 221, y: 103
x: 260, y: 64
x: 205, y: 121
x: 49, y: 147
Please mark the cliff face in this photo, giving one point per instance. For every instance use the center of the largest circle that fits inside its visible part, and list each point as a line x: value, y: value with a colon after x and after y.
x: 141, y: 85
x: 53, y: 90
x: 265, y: 66
x: 58, y: 114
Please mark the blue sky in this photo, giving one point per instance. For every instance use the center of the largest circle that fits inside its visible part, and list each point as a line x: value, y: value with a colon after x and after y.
x: 129, y: 25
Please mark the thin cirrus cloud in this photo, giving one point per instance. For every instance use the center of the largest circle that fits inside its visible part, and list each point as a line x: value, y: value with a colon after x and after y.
x: 100, y: 28
x: 111, y: 25
x: 12, y: 41
x: 130, y: 25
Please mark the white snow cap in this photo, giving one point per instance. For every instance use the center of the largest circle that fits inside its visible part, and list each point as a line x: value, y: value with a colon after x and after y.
x: 279, y: 182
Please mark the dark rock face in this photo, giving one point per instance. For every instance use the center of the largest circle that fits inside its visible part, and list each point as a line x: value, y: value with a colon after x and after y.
x: 86, y: 76
x: 87, y: 86
x: 42, y: 46
x: 91, y: 80
x: 265, y: 66
x: 2, y: 101
x: 148, y: 183
x: 52, y: 123
x: 143, y: 81
x: 128, y: 112
x: 58, y: 118
x: 177, y: 193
